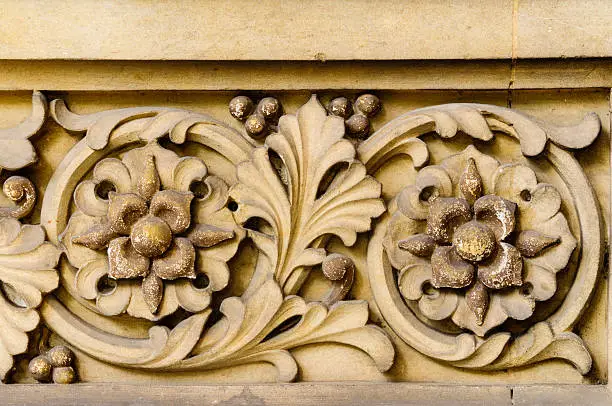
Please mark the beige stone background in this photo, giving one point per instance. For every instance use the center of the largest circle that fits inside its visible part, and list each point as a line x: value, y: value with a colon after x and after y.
x: 548, y: 58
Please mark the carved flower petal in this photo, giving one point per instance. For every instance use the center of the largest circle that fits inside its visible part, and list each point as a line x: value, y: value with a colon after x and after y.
x: 96, y: 238
x: 556, y: 257
x: 187, y: 171
x: 87, y: 278
x: 539, y: 282
x: 445, y: 215
x: 477, y: 299
x: 537, y: 202
x: 505, y: 269
x: 124, y: 210
x: 152, y: 291
x: 174, y: 208
x: 470, y: 182
x: 206, y: 235
x: 148, y: 182
x: 464, y: 317
x: 124, y: 261
x: 79, y: 255
x: 516, y: 304
x: 115, y: 172
x: 449, y: 270
x: 116, y: 302
x: 530, y: 242
x: 192, y: 298
x: 177, y: 262
x: 213, y: 202
x: 498, y: 213
x: 455, y: 167
x: 511, y: 179
x: 217, y: 271
x: 421, y: 245
x: 399, y: 228
x: 138, y: 307
x: 87, y: 200
x: 433, y: 303
x: 431, y: 182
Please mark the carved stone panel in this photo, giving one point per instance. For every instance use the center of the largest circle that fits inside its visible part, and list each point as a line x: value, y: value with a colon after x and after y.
x: 228, y: 238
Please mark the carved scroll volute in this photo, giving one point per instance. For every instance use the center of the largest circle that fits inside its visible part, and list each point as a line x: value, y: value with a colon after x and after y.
x: 461, y: 254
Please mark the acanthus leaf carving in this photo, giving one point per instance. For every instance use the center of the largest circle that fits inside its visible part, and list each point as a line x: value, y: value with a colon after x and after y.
x: 17, y: 150
x: 300, y: 197
x: 27, y: 260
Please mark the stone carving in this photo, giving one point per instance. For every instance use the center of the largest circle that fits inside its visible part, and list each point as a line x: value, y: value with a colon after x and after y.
x: 17, y: 150
x: 356, y: 115
x: 152, y: 207
x: 137, y: 218
x: 57, y: 365
x: 146, y: 239
x: 27, y: 261
x: 258, y: 120
x: 463, y: 246
x: 477, y: 242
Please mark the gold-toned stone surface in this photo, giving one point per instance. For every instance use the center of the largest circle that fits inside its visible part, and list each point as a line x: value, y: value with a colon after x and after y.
x: 449, y: 270
x: 40, y: 368
x: 421, y: 245
x: 64, y: 375
x: 151, y: 236
x: 143, y: 235
x: 206, y: 235
x: 477, y: 299
x: 21, y: 191
x: 530, y: 243
x: 445, y: 214
x: 55, y: 365
x: 504, y: 270
x: 471, y: 182
x: 474, y: 241
x: 60, y: 356
x: 335, y: 266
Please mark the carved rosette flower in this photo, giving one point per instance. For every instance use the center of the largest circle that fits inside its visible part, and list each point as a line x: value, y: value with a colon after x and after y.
x: 143, y: 242
x: 477, y: 248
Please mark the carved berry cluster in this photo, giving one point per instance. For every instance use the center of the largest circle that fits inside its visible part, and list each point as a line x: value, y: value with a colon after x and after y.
x: 356, y: 115
x: 260, y: 120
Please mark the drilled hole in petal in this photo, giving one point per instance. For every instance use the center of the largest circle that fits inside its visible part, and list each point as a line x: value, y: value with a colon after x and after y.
x: 104, y: 188
x: 232, y: 206
x: 429, y: 193
x: 199, y: 189
x: 526, y: 195
x: 106, y: 285
x: 428, y: 289
x: 201, y: 281
x: 526, y: 289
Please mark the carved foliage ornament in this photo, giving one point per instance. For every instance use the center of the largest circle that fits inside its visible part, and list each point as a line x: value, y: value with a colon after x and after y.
x: 149, y: 225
